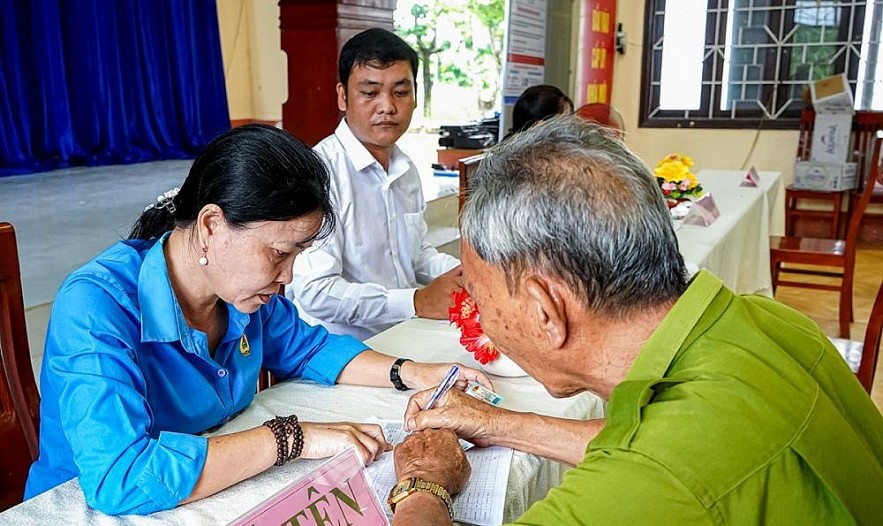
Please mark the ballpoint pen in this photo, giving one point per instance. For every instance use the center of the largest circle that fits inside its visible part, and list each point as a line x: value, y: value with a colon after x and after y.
x: 447, y: 382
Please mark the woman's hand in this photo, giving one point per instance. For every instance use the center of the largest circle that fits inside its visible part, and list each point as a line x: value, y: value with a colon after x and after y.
x: 418, y: 375
x: 323, y: 440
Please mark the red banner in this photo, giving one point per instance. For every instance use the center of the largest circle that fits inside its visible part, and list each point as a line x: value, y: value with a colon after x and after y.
x: 597, y: 64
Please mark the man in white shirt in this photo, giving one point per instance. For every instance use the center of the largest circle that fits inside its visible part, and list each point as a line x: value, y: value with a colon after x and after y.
x: 367, y: 275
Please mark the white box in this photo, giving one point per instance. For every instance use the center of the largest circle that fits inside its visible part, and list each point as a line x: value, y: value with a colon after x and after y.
x: 830, y: 177
x: 830, y: 137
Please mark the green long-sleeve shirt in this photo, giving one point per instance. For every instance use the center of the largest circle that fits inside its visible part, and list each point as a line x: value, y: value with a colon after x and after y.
x: 738, y: 410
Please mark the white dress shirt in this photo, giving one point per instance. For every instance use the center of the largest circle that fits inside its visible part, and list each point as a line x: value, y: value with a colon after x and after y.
x: 362, y: 278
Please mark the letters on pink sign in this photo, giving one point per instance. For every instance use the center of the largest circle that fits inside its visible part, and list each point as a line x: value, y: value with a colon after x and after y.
x: 336, y: 493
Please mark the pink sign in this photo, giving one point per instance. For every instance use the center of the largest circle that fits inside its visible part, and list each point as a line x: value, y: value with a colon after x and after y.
x: 752, y: 178
x: 703, y: 212
x: 337, y: 492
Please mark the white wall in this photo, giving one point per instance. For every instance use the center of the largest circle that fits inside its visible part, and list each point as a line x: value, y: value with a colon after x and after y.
x: 254, y: 63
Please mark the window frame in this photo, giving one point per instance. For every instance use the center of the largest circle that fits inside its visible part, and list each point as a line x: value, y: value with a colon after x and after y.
x: 709, y: 114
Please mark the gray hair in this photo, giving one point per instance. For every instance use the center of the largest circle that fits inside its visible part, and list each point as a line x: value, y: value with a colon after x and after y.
x: 568, y: 199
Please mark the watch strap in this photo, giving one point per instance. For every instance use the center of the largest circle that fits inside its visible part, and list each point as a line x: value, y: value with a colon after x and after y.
x: 414, y: 484
x: 395, y: 374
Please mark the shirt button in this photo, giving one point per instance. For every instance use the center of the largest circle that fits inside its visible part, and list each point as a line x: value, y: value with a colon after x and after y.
x: 222, y: 372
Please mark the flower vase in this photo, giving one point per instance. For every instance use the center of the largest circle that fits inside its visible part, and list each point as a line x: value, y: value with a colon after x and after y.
x: 502, y: 366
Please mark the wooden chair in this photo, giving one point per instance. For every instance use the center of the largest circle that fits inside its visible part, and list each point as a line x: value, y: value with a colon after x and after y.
x: 265, y: 379
x: 815, y: 252
x: 604, y: 114
x: 862, y: 356
x: 467, y: 167
x: 19, y: 399
x: 865, y: 126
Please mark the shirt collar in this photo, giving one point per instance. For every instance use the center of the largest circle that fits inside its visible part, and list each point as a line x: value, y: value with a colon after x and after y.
x: 161, y: 317
x: 360, y: 156
x: 698, y: 308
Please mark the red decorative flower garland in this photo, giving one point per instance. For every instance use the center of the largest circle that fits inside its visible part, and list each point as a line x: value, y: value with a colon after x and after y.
x: 465, y: 315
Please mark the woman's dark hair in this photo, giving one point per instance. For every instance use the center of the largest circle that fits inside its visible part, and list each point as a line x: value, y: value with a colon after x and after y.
x: 253, y: 173
x: 374, y: 46
x: 537, y: 103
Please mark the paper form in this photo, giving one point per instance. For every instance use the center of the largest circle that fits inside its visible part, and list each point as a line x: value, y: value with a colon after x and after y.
x: 480, y: 503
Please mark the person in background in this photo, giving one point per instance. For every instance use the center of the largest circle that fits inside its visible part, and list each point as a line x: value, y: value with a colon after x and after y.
x: 722, y: 409
x: 378, y: 268
x: 162, y: 337
x: 538, y: 103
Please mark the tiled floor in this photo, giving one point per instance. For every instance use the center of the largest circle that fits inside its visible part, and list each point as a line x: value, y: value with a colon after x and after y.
x: 822, y: 306
x: 65, y: 217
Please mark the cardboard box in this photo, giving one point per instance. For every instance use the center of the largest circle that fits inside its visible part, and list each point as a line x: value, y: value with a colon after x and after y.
x: 824, y: 177
x: 832, y: 95
x: 833, y: 104
x: 830, y: 137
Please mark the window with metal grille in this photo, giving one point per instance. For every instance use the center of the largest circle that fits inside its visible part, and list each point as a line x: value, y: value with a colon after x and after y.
x: 747, y: 63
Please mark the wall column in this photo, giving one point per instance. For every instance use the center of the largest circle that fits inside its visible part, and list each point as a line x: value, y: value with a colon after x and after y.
x: 312, y: 33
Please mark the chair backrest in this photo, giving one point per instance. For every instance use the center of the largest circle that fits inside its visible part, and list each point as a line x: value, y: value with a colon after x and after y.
x: 604, y: 114
x: 265, y: 379
x: 871, y: 346
x: 467, y: 167
x: 19, y: 399
x: 804, y: 139
x: 874, y: 175
x: 864, y: 127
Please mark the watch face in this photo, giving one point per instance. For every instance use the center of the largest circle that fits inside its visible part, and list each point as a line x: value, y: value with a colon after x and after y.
x: 401, y: 490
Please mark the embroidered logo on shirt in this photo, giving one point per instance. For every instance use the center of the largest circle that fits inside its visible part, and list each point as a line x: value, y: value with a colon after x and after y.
x: 244, y: 347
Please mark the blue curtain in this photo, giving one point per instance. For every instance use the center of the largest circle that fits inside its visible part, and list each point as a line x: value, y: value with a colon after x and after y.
x: 106, y: 81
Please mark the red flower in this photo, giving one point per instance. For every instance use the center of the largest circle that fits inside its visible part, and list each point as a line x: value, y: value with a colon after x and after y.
x: 464, y: 313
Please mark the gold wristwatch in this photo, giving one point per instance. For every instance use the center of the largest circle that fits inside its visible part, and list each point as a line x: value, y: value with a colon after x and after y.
x: 400, y: 492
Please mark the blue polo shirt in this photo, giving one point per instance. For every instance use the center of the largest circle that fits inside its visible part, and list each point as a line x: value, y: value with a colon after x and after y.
x: 127, y: 385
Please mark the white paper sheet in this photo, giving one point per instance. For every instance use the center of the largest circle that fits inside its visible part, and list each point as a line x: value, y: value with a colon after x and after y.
x: 480, y: 503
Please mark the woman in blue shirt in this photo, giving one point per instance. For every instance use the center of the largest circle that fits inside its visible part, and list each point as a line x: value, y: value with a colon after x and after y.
x: 162, y: 337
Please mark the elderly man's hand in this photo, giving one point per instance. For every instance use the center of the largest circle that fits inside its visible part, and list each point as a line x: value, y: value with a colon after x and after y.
x: 472, y: 419
x: 433, y: 455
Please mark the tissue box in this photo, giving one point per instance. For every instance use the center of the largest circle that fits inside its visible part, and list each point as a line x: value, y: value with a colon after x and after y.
x: 824, y: 177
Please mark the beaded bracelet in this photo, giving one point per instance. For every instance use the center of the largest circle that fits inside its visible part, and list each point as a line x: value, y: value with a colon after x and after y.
x: 284, y: 427
x: 297, y: 442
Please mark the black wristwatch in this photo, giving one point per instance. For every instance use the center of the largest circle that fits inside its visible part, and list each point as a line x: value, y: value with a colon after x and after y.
x: 394, y: 375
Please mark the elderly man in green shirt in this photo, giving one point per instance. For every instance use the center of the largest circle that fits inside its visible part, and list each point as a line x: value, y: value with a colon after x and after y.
x: 723, y: 409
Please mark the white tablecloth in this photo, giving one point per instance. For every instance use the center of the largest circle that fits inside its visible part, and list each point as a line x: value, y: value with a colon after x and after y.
x: 736, y: 247
x: 529, y: 479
